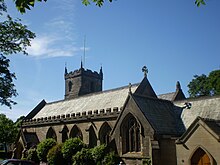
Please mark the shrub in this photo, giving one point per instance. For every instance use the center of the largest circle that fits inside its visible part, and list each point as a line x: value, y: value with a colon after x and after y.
x: 43, y: 148
x: 55, y: 156
x: 71, y: 147
x: 146, y: 162
x: 98, y: 153
x: 83, y: 157
x: 111, y: 159
x: 32, y: 155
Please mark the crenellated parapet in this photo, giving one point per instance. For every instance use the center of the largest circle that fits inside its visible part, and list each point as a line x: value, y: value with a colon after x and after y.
x: 86, y: 72
x: 78, y: 116
x: 81, y: 82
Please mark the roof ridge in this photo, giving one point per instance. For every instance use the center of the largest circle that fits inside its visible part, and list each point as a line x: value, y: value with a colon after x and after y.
x: 152, y: 98
x: 95, y: 93
x: 166, y: 93
x: 199, y: 98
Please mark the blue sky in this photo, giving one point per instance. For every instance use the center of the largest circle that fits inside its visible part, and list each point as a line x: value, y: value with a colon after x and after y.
x: 174, y: 39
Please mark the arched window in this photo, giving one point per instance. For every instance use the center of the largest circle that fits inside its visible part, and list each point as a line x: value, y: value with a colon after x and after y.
x: 92, y: 137
x: 200, y: 157
x: 76, y: 132
x: 104, y: 133
x: 64, y: 132
x: 130, y: 131
x: 70, y: 84
x: 51, y: 134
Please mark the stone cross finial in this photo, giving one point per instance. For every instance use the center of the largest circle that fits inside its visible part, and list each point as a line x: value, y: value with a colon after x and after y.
x: 145, y: 70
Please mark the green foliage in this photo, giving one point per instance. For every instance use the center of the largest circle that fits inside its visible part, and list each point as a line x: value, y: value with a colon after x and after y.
x: 83, y: 157
x: 22, y: 5
x: 214, y: 82
x: 7, y: 88
x: 44, y: 147
x: 98, y: 153
x: 71, y: 147
x: 19, y: 121
x: 14, y: 38
x: 32, y: 155
x: 146, y: 162
x: 205, y: 86
x: 8, y: 130
x: 199, y: 2
x: 55, y: 156
x: 111, y: 159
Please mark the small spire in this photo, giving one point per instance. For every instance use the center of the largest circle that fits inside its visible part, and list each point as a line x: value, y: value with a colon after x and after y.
x: 145, y: 70
x: 81, y: 64
x: 65, y: 69
x: 178, y: 86
x: 130, y: 88
x: 100, y: 72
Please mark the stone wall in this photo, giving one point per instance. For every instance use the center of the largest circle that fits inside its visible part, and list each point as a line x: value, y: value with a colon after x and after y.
x: 200, y: 138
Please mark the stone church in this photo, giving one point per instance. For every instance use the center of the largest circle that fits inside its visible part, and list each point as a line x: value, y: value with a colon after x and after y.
x: 133, y: 120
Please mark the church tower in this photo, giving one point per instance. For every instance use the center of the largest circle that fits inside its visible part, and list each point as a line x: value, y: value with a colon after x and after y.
x: 82, y: 82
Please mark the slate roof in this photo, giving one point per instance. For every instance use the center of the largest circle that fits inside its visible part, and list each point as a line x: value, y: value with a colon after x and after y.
x: 167, y: 96
x: 96, y: 101
x: 30, y: 138
x: 160, y: 115
x: 205, y: 107
x: 214, y: 125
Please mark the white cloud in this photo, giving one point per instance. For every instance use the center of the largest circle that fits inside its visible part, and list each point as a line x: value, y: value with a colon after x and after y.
x: 57, y: 37
x: 48, y: 47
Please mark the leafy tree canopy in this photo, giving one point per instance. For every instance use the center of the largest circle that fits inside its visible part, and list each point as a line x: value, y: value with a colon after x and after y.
x: 205, y: 85
x: 71, y: 147
x: 14, y: 38
x: 8, y: 130
x: 44, y: 147
x: 22, y: 5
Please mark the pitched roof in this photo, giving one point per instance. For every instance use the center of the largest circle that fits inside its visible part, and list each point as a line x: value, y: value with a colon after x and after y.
x: 30, y: 138
x: 205, y: 107
x: 160, y: 114
x: 95, y: 101
x: 211, y: 125
x: 167, y: 96
x: 174, y: 96
x: 145, y: 89
x: 214, y: 125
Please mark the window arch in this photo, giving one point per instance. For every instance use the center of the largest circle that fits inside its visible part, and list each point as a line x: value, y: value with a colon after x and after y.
x: 51, y: 134
x: 92, y: 137
x: 200, y: 157
x: 76, y: 132
x: 70, y: 85
x: 130, y: 132
x: 104, y: 133
x: 64, y: 132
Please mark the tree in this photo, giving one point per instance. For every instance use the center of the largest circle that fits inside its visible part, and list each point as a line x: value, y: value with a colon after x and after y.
x: 14, y: 38
x: 19, y: 121
x: 22, y: 5
x: 214, y: 82
x: 44, y: 147
x: 205, y: 86
x: 71, y: 147
x: 55, y: 156
x: 98, y: 153
x: 32, y: 155
x: 8, y: 131
x: 83, y: 157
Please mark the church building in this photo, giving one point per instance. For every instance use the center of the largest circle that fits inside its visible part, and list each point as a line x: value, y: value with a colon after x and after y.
x: 167, y: 129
